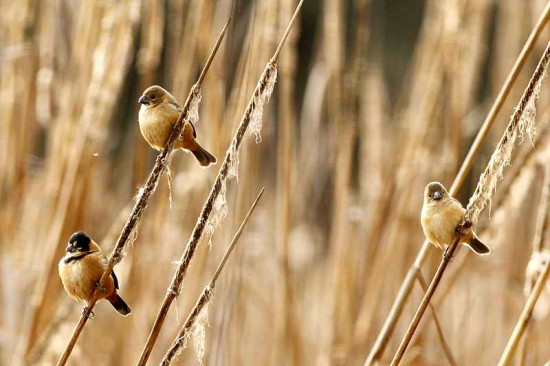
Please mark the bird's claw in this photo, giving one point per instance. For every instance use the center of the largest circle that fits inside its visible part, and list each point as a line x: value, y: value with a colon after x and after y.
x: 88, y: 313
x: 463, y: 227
x: 99, y: 287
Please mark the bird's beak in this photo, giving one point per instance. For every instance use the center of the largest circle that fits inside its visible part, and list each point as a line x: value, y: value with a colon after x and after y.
x: 143, y: 100
x: 70, y: 248
x: 437, y: 195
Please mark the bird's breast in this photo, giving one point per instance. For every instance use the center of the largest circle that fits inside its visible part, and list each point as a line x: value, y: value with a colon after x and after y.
x: 156, y: 124
x: 80, y: 277
x: 439, y: 222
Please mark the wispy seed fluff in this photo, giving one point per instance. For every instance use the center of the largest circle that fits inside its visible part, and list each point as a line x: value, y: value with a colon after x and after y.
x: 219, y: 211
x: 270, y: 77
x: 195, y: 328
x: 522, y: 121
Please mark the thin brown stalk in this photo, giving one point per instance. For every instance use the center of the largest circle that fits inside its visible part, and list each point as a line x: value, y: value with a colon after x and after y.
x: 252, y: 113
x: 521, y: 161
x: 405, y: 290
x: 142, y: 202
x: 540, y: 229
x: 444, y: 344
x: 525, y: 316
x: 484, y: 190
x: 208, y: 292
x: 289, y: 334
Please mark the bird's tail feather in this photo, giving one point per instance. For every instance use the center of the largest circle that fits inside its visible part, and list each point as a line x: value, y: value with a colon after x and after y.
x: 120, y: 305
x: 478, y: 247
x: 203, y: 156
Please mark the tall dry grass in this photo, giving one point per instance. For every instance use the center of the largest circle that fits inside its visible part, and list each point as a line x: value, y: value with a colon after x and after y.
x: 374, y: 99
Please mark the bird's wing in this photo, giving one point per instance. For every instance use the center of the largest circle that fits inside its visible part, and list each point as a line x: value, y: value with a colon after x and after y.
x: 114, y: 279
x: 194, y: 130
x: 457, y: 202
x: 178, y: 109
x: 175, y: 105
x: 104, y: 261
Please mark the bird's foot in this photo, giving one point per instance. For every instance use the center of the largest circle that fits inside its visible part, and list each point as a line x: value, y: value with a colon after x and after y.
x: 463, y: 227
x: 99, y: 287
x: 87, y: 313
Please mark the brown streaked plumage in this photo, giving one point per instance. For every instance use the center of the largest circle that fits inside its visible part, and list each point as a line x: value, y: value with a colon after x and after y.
x: 81, y: 269
x: 441, y: 214
x: 158, y: 114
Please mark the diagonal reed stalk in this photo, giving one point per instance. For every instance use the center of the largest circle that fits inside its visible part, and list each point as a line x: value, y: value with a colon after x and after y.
x: 406, y: 287
x: 143, y: 199
x: 485, y: 188
x: 520, y: 332
x: 253, y: 112
x: 444, y: 344
x: 207, y: 293
x: 525, y: 316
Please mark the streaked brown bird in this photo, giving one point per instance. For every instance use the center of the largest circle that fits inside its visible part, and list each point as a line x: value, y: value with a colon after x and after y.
x: 158, y: 114
x: 81, y: 269
x: 441, y: 215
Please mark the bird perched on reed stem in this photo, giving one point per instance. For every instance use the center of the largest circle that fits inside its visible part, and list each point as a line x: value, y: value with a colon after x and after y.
x: 158, y: 114
x: 81, y: 269
x: 441, y: 216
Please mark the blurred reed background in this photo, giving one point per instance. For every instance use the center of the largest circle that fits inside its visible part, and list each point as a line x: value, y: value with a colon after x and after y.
x: 374, y: 99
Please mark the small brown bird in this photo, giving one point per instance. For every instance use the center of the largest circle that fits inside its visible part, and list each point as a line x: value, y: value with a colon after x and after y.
x: 441, y: 215
x: 81, y: 269
x: 158, y: 114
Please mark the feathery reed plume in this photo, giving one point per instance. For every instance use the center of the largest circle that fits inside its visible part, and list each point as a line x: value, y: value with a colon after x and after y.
x: 501, y: 156
x: 200, y: 307
x: 406, y: 287
x: 128, y: 232
x: 523, y: 121
x: 215, y: 204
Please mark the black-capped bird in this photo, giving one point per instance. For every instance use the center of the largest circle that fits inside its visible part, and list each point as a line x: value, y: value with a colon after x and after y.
x: 81, y: 269
x: 441, y: 215
x: 158, y: 114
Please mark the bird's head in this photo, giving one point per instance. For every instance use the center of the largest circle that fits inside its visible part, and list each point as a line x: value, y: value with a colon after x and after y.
x: 153, y: 96
x: 434, y: 191
x: 79, y: 242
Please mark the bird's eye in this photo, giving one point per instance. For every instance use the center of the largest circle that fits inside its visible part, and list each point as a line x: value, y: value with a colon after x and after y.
x: 153, y: 97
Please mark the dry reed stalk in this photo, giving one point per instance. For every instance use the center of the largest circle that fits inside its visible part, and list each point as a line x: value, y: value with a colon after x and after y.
x: 423, y: 107
x: 520, y: 163
x: 525, y: 316
x: 204, y: 299
x: 216, y: 198
x: 530, y: 276
x: 290, y: 337
x: 444, y: 344
x: 404, y: 291
x: 522, y: 121
x: 537, y: 257
x: 112, y: 51
x: 62, y: 316
x: 127, y: 235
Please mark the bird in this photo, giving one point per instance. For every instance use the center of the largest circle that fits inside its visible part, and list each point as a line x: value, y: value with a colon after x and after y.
x: 81, y: 269
x: 158, y: 114
x: 441, y: 216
